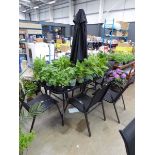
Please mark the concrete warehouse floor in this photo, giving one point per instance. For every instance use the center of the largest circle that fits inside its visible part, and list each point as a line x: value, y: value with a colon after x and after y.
x: 72, y: 138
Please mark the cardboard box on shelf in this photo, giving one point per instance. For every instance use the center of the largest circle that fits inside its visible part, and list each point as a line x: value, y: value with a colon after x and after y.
x: 118, y: 33
x: 64, y: 48
x: 124, y: 25
x: 125, y: 44
x: 125, y: 33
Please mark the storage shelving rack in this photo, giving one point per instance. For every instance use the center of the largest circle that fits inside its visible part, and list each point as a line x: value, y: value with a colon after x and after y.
x: 112, y: 36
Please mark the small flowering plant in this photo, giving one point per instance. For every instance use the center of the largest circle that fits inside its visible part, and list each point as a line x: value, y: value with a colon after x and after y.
x: 117, y: 77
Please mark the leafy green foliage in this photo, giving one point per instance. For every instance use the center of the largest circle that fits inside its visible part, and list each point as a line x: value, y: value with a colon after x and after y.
x: 25, y: 139
x: 37, y: 67
x: 36, y: 109
x: 80, y: 71
x: 121, y: 57
x: 30, y: 87
x: 47, y: 72
x: 62, y: 73
x: 61, y: 77
x: 62, y: 63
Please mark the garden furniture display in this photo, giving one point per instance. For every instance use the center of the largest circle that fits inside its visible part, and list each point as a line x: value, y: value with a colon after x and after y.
x: 45, y: 102
x: 113, y: 95
x: 86, y: 104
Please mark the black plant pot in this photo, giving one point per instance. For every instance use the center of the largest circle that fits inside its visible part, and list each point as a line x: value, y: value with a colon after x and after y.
x: 56, y: 88
x: 79, y: 81
x: 87, y: 80
x: 73, y: 83
x: 48, y: 87
x: 41, y: 83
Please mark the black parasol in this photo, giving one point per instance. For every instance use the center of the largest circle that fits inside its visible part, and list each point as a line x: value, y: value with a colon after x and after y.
x: 79, y: 44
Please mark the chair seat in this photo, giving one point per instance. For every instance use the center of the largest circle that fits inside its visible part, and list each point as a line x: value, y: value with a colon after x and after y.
x: 110, y: 96
x: 80, y: 102
x: 45, y: 100
x: 128, y: 135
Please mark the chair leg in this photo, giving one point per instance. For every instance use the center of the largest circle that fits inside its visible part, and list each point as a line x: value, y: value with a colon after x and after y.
x: 66, y: 107
x: 45, y: 90
x: 87, y: 124
x: 61, y: 115
x: 72, y: 93
x: 123, y: 102
x: 20, y: 108
x: 34, y: 117
x: 63, y: 100
x: 103, y: 111
x: 116, y: 112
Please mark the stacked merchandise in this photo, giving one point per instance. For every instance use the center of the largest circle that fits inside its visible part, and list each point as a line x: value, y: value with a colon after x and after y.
x: 94, y: 42
x: 62, y: 45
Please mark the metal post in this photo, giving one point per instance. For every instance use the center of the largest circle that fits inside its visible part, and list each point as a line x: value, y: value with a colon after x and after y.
x: 87, y: 124
x: 123, y: 102
x: 32, y: 123
x: 103, y: 111
x: 116, y: 112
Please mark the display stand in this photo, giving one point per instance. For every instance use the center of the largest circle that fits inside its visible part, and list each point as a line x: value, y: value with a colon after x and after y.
x: 109, y: 33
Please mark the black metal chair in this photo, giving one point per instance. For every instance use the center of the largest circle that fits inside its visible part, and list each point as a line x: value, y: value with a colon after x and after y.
x: 113, y: 96
x: 86, y: 104
x: 128, y: 135
x: 46, y: 102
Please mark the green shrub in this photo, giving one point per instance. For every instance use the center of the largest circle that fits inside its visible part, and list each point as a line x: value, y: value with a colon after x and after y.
x: 62, y: 73
x: 25, y: 139
x: 62, y: 63
x: 37, y: 67
x: 30, y: 87
x: 121, y: 57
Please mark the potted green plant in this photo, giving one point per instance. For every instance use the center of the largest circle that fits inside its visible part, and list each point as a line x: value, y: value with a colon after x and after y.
x: 30, y: 87
x: 70, y: 75
x: 121, y: 58
x: 37, y: 67
x: 26, y: 138
x: 80, y: 72
x: 62, y: 63
x: 96, y: 65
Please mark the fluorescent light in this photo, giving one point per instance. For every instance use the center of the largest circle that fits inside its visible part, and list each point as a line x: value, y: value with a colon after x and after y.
x: 51, y: 2
x: 36, y: 7
x: 25, y: 0
x: 24, y: 11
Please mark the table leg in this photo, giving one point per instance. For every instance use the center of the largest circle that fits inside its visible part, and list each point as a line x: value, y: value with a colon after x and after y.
x: 63, y: 100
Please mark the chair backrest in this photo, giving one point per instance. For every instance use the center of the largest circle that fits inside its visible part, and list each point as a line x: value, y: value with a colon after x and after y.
x: 21, y: 95
x: 116, y: 95
x: 128, y: 135
x: 99, y: 95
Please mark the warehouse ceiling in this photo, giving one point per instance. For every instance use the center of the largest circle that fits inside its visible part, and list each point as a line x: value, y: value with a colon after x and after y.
x: 28, y: 5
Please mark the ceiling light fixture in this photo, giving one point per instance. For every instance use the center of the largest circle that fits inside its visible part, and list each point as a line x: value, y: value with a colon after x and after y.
x: 51, y: 2
x: 36, y: 7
